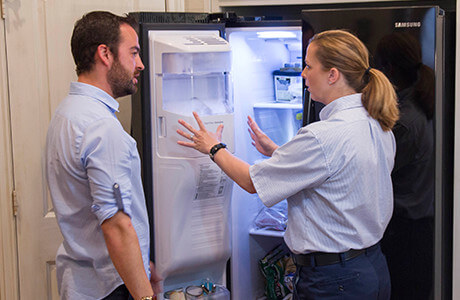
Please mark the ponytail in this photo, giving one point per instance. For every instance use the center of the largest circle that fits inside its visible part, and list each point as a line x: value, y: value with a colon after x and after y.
x: 379, y: 99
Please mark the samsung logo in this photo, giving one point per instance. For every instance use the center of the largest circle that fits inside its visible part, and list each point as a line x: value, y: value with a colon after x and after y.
x: 407, y: 24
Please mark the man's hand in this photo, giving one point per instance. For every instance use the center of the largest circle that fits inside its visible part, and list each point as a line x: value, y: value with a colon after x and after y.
x: 155, y: 280
x: 123, y: 246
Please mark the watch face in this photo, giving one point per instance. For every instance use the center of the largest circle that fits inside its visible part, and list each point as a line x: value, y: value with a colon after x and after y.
x: 216, y: 148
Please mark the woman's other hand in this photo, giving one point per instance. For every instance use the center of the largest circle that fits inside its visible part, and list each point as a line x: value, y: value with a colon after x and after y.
x: 202, y: 139
x: 260, y: 140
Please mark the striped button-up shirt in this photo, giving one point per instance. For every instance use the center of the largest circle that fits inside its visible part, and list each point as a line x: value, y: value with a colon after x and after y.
x: 335, y: 174
x: 93, y: 170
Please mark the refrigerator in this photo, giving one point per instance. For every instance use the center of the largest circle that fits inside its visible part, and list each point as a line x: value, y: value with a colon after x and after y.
x: 227, y: 66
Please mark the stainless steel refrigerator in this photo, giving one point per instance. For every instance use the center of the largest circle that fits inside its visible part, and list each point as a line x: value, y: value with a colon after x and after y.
x: 248, y: 86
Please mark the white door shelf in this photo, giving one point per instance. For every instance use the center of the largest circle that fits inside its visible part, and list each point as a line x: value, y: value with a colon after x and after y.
x: 278, y: 105
x: 266, y: 232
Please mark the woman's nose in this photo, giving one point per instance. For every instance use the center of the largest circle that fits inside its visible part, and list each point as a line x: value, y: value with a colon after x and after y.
x: 304, y: 73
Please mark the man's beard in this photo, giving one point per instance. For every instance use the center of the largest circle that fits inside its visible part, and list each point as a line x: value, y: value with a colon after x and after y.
x: 120, y: 80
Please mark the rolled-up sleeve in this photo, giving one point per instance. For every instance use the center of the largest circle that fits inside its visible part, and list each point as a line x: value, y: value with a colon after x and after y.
x: 297, y: 165
x: 106, y: 155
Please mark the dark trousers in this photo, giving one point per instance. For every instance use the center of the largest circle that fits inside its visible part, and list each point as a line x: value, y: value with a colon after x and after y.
x: 120, y: 293
x: 363, y: 277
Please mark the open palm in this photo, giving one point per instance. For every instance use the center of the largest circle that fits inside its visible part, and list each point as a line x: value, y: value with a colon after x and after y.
x: 260, y: 140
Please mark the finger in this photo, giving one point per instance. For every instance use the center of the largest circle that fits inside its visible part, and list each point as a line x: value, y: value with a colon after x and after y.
x: 184, y: 134
x: 252, y: 134
x: 186, y: 144
x: 188, y: 126
x: 219, y: 130
x: 198, y: 120
x: 253, y: 124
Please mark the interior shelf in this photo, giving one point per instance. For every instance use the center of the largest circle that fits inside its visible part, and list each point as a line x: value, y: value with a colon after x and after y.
x: 266, y: 232
x: 279, y: 105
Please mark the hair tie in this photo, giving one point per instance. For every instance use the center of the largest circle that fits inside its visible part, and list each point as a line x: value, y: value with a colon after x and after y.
x: 367, y: 71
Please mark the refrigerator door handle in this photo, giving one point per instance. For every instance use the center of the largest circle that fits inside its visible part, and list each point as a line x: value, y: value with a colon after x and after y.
x: 161, y: 126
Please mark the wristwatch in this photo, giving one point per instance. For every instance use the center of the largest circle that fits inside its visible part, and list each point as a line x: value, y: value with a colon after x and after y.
x: 216, y: 148
x: 147, y: 298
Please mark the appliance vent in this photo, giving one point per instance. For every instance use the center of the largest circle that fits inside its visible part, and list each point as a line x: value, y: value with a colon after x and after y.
x: 160, y: 17
x: 204, y: 40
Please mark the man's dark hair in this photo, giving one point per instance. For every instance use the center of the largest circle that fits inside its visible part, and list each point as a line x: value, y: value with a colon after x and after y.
x: 93, y: 29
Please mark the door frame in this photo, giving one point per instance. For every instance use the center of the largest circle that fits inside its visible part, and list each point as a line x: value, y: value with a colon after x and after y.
x: 9, y: 281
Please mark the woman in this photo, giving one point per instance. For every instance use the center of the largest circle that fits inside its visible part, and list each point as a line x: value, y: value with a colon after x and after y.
x: 335, y: 173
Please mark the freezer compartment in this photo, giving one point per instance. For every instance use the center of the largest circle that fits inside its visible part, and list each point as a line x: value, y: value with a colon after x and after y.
x: 205, y: 93
x: 198, y: 82
x: 193, y: 63
x: 191, y: 72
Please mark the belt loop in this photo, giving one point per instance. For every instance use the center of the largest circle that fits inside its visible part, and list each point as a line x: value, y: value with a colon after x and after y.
x: 342, y: 259
x: 313, y: 260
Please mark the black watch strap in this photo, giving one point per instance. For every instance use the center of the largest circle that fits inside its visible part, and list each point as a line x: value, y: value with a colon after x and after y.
x: 216, y: 148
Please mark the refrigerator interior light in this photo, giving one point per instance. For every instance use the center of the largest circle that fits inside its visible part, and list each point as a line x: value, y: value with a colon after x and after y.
x: 276, y: 34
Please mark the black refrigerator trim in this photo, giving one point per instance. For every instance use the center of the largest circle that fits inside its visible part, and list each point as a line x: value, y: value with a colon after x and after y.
x: 444, y: 141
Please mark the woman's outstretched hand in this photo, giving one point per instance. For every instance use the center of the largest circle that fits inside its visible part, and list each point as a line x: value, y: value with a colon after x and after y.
x: 201, y: 139
x: 260, y: 140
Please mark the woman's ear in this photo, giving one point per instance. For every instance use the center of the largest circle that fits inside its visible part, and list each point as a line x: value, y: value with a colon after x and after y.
x: 334, y: 75
x: 104, y: 55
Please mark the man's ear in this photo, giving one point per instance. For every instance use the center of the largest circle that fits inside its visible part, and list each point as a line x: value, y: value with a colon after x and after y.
x: 104, y: 55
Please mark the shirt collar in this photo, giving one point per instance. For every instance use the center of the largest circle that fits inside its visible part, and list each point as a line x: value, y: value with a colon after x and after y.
x: 80, y: 88
x: 342, y: 103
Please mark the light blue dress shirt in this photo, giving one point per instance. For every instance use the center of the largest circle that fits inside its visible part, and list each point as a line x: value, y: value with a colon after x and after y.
x: 88, y: 155
x: 336, y: 176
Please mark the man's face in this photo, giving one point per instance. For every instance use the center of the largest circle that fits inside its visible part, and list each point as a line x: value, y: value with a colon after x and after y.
x: 127, y: 66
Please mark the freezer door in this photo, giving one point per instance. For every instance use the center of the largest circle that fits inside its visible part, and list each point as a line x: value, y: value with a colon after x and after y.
x: 187, y: 196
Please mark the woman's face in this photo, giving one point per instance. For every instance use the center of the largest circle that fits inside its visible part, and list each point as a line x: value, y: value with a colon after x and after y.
x: 316, y: 78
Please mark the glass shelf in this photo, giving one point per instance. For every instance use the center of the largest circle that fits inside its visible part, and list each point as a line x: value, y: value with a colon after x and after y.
x: 279, y: 105
x: 266, y: 232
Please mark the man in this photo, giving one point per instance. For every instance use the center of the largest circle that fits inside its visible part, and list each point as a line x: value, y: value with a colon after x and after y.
x: 93, y: 169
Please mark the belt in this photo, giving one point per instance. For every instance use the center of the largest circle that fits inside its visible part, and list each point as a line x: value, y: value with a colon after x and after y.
x: 324, y: 259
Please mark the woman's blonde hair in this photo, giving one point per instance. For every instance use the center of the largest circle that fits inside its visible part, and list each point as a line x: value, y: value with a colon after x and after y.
x: 344, y: 51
